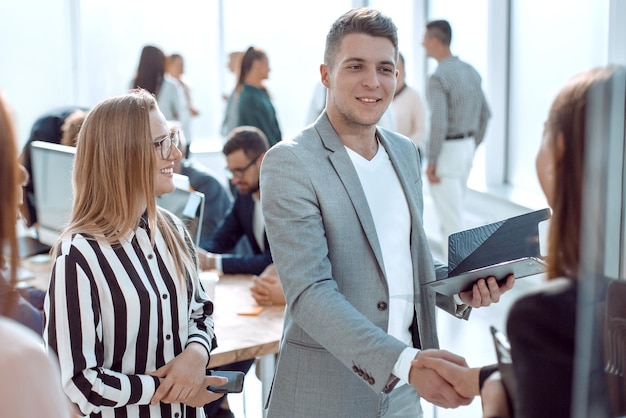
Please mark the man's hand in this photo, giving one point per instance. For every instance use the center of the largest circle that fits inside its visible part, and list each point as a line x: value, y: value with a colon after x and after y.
x: 182, y: 379
x: 485, y: 292
x: 464, y: 380
x: 431, y: 386
x: 266, y: 289
x: 431, y: 171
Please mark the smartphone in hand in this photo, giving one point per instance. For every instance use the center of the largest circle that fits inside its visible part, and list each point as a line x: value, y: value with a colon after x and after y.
x: 234, y: 384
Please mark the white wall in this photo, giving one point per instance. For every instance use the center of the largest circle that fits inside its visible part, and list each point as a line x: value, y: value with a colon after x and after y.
x: 35, y: 58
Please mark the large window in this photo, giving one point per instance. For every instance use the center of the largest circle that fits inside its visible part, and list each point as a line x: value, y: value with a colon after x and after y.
x: 113, y: 33
x: 550, y: 42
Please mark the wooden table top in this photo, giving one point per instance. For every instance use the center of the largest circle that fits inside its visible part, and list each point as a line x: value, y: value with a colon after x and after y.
x: 239, y: 337
x: 243, y: 337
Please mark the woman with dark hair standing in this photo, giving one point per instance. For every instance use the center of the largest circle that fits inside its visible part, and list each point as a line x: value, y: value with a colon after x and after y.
x: 151, y: 70
x: 254, y: 106
x: 151, y: 77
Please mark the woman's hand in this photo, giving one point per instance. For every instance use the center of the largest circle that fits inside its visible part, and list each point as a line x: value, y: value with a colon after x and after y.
x: 494, y: 400
x: 183, y: 378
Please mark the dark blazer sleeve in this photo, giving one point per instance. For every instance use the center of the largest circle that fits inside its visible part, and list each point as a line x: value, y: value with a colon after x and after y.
x: 541, y: 331
x: 238, y: 223
x: 217, y: 201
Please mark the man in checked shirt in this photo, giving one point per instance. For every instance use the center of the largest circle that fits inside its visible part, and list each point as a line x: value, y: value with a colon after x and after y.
x: 459, y: 115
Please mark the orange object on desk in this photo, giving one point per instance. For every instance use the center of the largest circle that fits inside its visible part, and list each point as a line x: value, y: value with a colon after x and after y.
x: 250, y: 310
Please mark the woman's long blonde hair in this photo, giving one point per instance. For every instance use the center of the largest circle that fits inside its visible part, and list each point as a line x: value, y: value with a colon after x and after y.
x: 113, y: 176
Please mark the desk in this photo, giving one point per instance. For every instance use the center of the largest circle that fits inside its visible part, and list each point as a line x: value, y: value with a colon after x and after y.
x: 245, y: 337
x: 238, y: 337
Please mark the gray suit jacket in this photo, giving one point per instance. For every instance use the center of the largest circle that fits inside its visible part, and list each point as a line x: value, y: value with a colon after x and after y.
x: 336, y: 355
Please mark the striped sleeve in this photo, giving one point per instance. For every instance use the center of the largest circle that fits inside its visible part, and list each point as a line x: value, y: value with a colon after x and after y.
x: 74, y: 318
x: 438, y: 101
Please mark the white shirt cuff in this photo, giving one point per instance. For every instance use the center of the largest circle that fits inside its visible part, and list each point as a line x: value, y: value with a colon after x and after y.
x: 403, y: 365
x: 457, y: 299
x: 218, y: 262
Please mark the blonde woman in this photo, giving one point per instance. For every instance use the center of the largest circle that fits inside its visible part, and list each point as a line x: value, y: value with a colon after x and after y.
x: 125, y: 313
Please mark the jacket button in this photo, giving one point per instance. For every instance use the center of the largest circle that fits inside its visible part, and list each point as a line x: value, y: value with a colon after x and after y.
x: 382, y: 305
x: 371, y: 380
x: 355, y: 369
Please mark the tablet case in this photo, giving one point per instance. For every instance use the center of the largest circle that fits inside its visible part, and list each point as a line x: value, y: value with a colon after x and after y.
x: 498, y: 249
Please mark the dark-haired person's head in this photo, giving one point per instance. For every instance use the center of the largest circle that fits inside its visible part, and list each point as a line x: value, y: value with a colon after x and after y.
x: 441, y: 30
x: 254, y: 64
x: 360, y: 20
x: 151, y: 69
x: 437, y: 39
x: 244, y: 149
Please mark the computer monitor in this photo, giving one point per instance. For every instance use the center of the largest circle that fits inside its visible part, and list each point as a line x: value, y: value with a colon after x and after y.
x: 52, y: 182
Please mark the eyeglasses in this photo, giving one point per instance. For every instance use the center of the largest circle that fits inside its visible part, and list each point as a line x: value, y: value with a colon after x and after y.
x: 173, y: 138
x: 239, y: 172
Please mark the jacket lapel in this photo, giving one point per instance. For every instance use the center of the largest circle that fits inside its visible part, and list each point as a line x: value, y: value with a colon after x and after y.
x: 342, y: 164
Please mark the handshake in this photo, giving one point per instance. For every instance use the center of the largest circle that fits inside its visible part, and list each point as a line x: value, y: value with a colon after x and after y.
x: 444, y: 379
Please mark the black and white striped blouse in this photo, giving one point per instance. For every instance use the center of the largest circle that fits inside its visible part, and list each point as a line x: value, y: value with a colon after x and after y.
x: 115, y: 313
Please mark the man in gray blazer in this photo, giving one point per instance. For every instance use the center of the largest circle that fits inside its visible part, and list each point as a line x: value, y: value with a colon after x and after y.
x: 343, y: 205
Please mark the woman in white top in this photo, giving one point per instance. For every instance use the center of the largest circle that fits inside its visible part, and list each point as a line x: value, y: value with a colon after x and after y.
x: 125, y: 312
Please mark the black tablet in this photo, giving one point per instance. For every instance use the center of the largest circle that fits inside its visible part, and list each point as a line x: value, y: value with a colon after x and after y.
x: 522, y: 267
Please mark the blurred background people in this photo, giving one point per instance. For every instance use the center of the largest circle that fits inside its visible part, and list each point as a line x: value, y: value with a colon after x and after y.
x: 151, y: 76
x: 217, y: 199
x: 230, y: 120
x: 175, y: 68
x: 458, y: 121
x: 244, y: 149
x: 254, y: 106
x: 408, y: 109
